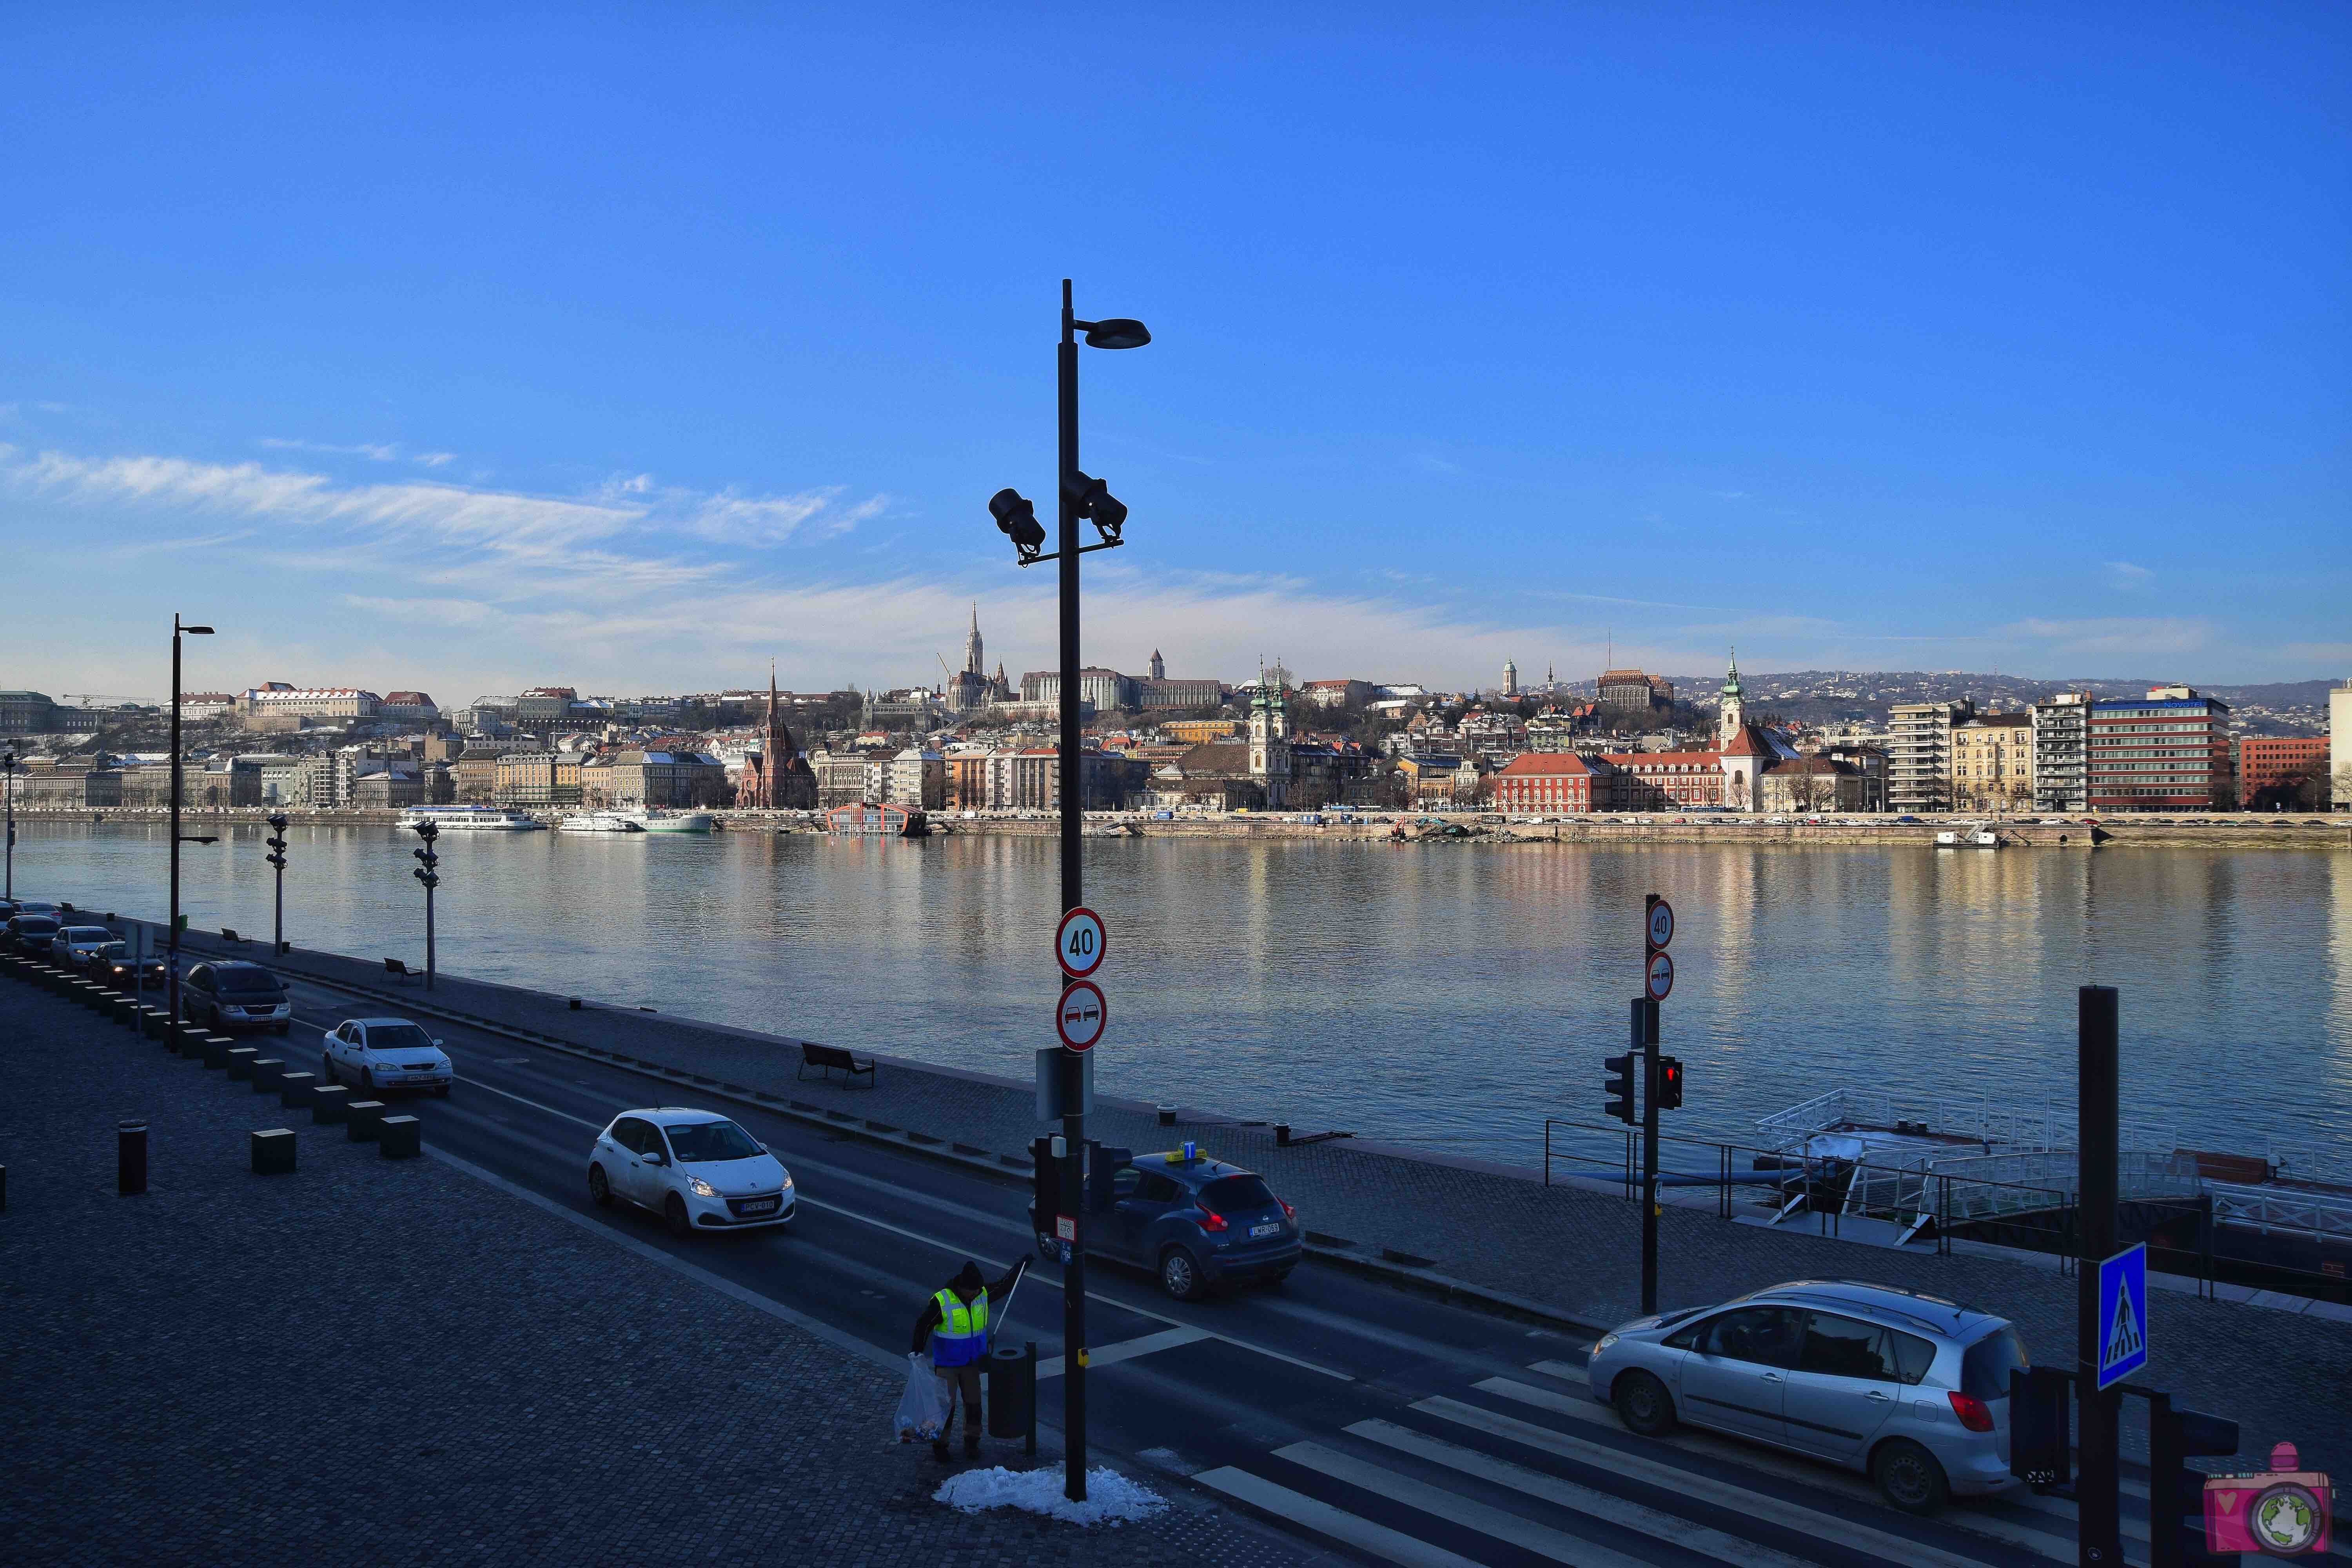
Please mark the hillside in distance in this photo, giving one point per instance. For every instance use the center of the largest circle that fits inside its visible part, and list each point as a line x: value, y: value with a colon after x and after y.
x: 1843, y: 696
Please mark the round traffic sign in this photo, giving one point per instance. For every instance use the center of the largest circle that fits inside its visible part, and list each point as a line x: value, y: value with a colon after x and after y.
x: 1078, y: 943
x: 1662, y: 923
x: 1661, y: 976
x: 1080, y: 1015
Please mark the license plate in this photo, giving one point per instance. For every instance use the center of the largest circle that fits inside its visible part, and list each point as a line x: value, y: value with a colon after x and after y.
x: 1266, y: 1229
x: 762, y: 1207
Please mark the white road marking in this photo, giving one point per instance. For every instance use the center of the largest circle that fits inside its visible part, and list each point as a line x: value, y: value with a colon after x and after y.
x: 1126, y: 1350
x: 1699, y: 1488
x: 1298, y: 1507
x: 1508, y: 1528
x: 1621, y: 1511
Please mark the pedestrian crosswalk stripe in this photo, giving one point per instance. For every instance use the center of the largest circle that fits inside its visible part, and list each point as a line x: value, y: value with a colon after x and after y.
x: 1509, y: 1528
x: 2030, y: 1532
x: 1620, y: 1511
x: 1694, y: 1485
x: 1564, y: 1371
x: 1128, y: 1349
x: 1337, y: 1523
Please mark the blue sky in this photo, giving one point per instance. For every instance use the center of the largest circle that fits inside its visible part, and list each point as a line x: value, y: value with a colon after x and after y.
x: 630, y: 345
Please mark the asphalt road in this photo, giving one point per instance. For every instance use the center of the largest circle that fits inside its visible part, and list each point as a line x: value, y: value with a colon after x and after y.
x: 1374, y: 1424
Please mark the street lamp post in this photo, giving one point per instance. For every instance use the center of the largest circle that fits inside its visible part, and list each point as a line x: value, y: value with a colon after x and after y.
x: 1079, y: 497
x: 428, y: 831
x: 277, y: 842
x: 172, y: 972
x: 9, y: 776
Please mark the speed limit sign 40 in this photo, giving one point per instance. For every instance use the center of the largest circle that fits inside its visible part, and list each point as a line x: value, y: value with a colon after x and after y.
x: 1078, y: 943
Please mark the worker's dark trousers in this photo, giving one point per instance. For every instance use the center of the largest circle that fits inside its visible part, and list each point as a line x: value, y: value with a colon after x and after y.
x: 965, y: 1380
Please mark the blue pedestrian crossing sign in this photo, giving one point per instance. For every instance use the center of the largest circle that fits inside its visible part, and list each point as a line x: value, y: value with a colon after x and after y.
x: 2122, y: 1315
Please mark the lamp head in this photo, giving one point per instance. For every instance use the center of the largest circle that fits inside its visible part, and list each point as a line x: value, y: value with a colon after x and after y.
x: 1018, y: 520
x: 196, y: 631
x: 1119, y: 333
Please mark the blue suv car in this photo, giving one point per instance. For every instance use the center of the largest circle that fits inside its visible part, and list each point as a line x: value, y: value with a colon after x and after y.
x: 1197, y: 1224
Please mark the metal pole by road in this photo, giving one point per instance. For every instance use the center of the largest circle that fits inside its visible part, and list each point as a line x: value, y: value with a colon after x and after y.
x: 1073, y: 783
x: 426, y: 873
x: 172, y: 975
x: 8, y: 778
x: 277, y: 842
x: 2099, y: 1529
x: 1645, y: 1030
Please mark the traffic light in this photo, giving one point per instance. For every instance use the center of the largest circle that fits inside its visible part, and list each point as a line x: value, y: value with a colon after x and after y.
x: 2176, y: 1494
x: 1620, y: 1085
x: 2040, y: 1441
x: 1667, y: 1084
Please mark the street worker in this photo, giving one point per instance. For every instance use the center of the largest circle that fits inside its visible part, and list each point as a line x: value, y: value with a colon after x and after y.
x: 954, y: 1328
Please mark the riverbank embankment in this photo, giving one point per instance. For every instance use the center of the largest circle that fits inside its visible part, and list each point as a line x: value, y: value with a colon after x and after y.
x: 2221, y: 830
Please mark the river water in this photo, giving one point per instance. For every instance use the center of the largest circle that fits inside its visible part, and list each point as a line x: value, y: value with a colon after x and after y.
x: 1452, y: 997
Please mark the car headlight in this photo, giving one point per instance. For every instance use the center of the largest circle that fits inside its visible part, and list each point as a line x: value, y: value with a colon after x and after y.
x: 1603, y: 1343
x: 701, y: 1188
x: 787, y: 1186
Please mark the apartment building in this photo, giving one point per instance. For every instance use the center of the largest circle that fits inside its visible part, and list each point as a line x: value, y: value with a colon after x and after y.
x: 2168, y: 750
x: 2062, y: 753
x: 1993, y: 763
x: 1919, y: 754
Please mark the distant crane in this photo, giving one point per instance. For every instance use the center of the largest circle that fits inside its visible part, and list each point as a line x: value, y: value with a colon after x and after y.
x: 944, y: 669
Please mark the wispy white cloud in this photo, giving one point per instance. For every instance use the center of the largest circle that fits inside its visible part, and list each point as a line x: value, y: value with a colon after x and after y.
x: 2117, y: 635
x: 374, y: 451
x: 2125, y: 577
x: 433, y: 460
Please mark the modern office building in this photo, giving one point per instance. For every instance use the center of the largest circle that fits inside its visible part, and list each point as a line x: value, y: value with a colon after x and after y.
x: 2168, y: 750
x: 2275, y: 770
x: 2339, y: 733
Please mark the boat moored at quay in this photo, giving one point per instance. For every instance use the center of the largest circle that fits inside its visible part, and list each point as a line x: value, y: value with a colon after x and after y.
x: 471, y: 819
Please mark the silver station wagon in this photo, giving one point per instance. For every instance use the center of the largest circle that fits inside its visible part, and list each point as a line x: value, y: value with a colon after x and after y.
x: 1912, y: 1390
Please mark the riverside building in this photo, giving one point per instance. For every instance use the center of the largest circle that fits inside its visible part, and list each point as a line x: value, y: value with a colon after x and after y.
x: 2062, y: 753
x: 2168, y: 750
x: 1919, y: 754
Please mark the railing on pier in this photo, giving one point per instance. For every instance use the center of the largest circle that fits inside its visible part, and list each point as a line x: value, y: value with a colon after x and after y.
x: 2050, y: 1127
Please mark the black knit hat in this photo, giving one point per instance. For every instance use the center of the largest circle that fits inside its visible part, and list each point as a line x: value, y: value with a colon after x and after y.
x: 970, y: 1278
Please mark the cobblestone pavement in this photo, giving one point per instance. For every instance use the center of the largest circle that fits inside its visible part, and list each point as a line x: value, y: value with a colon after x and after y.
x: 2280, y: 1374
x: 385, y: 1362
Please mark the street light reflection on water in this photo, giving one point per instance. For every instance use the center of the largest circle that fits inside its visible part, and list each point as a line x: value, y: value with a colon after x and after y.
x: 1452, y: 997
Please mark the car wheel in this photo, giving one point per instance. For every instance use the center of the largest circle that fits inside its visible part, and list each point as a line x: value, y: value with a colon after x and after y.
x: 1180, y: 1274
x: 599, y: 1191
x: 1047, y: 1248
x: 1643, y: 1404
x: 1909, y: 1478
x: 674, y: 1215
x: 1274, y: 1281
x: 367, y: 1080
x: 217, y: 1024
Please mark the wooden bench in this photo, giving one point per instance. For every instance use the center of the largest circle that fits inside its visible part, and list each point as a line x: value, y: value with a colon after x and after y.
x: 398, y: 970
x: 829, y: 1058
x: 228, y: 933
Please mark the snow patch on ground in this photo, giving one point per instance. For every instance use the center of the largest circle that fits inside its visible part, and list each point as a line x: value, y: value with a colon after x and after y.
x: 1111, y: 1497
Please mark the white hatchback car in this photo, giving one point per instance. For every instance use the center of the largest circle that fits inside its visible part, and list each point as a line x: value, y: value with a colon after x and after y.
x: 385, y: 1053
x: 695, y: 1168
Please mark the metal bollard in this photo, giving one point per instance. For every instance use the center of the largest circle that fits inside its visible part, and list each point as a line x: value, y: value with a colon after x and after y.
x: 151, y: 1022
x: 399, y: 1138
x: 130, y: 1157
x: 1282, y: 1135
x: 267, y: 1071
x: 213, y: 1049
x: 240, y: 1062
x: 294, y: 1090
x: 1012, y: 1392
x: 1166, y: 1115
x: 362, y: 1118
x: 329, y: 1103
x: 273, y: 1151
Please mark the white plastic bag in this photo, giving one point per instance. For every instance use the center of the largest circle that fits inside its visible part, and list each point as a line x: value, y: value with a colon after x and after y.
x: 921, y: 1411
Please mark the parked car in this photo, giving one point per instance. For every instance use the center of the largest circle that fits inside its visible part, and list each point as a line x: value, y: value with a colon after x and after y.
x: 1910, y: 1389
x: 74, y: 946
x: 1908, y: 819
x: 32, y: 934
x: 114, y: 965
x: 378, y: 1054
x: 695, y: 1169
x: 1197, y: 1224
x: 231, y: 994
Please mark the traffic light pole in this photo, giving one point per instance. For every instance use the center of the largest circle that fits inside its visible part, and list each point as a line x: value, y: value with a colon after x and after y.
x: 1645, y: 1039
x: 1073, y: 789
x: 2099, y: 1534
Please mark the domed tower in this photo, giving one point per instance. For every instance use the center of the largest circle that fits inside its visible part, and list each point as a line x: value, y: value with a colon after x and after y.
x: 1270, y: 733
x: 1734, y: 716
x: 1510, y: 678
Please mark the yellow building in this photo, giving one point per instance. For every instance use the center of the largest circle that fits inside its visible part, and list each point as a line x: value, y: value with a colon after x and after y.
x: 1199, y: 731
x: 1993, y: 763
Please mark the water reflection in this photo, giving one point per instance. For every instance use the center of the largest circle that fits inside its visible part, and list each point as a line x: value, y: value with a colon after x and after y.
x: 1452, y: 994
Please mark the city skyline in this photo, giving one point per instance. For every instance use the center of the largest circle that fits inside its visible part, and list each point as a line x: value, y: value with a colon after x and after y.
x: 1552, y: 337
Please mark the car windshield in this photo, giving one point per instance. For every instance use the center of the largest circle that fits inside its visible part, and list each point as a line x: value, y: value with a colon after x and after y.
x: 88, y: 933
x: 1985, y: 1365
x: 1237, y: 1194
x: 705, y: 1142
x: 115, y: 949
x: 398, y: 1038
x: 246, y: 979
